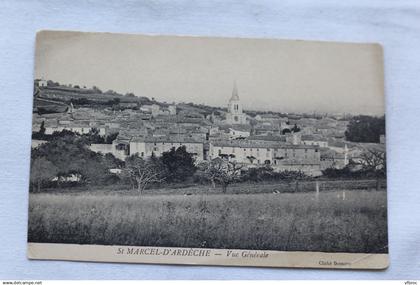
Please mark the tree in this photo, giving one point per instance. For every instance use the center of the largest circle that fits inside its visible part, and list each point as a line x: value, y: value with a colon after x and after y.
x: 253, y: 123
x: 61, y: 134
x: 222, y: 172
x: 42, y: 170
x: 251, y: 158
x: 80, y: 101
x: 211, y: 170
x: 295, y: 129
x: 40, y: 135
x: 365, y: 129
x: 267, y: 173
x: 257, y: 174
x: 286, y: 131
x: 141, y: 172
x: 42, y: 129
x: 110, y: 92
x: 52, y: 83
x: 179, y: 164
x: 227, y: 156
x: 374, y: 162
x: 110, y: 161
x: 93, y: 136
x: 114, y: 101
x: 111, y: 137
x: 230, y: 172
x: 71, y: 155
x: 96, y: 89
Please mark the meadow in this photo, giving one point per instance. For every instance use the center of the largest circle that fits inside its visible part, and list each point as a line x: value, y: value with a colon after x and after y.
x: 298, y: 221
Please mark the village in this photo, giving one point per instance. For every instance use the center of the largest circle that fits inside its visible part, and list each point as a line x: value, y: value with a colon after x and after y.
x: 283, y: 142
x: 259, y: 145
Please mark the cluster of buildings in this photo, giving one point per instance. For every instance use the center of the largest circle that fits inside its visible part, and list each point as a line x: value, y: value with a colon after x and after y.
x: 284, y: 143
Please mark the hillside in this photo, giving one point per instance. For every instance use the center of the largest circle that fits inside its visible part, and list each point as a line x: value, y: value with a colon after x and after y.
x: 57, y: 98
x: 66, y: 94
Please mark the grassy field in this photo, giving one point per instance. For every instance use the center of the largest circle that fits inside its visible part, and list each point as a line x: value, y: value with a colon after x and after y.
x: 285, y: 221
x: 237, y: 188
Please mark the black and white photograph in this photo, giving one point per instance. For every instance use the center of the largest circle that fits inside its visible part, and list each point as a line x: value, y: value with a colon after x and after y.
x: 219, y: 151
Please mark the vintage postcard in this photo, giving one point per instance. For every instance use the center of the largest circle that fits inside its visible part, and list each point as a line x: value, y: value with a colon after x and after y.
x: 214, y: 151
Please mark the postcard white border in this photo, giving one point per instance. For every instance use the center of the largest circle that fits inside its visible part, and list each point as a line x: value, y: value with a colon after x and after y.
x: 203, y: 256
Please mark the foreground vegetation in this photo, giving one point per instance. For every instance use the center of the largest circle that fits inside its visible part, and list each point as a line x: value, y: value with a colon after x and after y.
x: 247, y: 187
x: 268, y: 221
x: 67, y: 161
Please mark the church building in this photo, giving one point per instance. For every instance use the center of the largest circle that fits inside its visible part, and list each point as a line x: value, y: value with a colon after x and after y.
x: 235, y: 115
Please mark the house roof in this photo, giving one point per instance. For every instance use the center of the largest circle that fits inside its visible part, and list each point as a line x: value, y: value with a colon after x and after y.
x: 329, y: 153
x: 241, y: 128
x: 199, y: 121
x: 267, y: 138
x: 267, y: 127
x: 269, y: 116
x: 166, y: 139
x: 312, y: 138
x: 259, y: 144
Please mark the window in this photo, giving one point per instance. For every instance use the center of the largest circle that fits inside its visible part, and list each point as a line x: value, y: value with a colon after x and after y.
x: 142, y: 154
x: 235, y: 118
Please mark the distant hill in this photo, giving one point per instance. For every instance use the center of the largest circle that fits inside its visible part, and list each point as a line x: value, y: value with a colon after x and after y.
x: 66, y: 94
x: 56, y: 98
x: 201, y: 109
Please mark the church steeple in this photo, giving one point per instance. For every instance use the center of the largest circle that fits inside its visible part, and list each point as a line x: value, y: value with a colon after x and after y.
x: 235, y: 96
x: 235, y: 114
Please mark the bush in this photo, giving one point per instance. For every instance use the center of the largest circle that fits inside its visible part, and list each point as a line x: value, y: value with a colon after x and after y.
x: 70, y: 155
x: 267, y: 173
x: 179, y: 164
x: 365, y: 129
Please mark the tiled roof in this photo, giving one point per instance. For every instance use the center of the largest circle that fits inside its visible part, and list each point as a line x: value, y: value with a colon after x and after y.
x: 267, y: 138
x: 261, y: 144
x: 241, y: 128
x: 313, y: 138
x: 166, y: 139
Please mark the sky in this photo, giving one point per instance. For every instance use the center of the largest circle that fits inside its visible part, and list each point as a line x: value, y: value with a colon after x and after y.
x: 270, y: 74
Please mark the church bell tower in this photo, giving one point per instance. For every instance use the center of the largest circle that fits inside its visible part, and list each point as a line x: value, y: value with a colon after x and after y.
x: 235, y: 114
